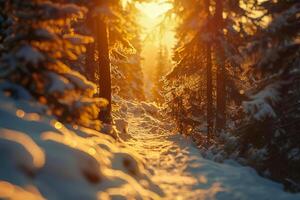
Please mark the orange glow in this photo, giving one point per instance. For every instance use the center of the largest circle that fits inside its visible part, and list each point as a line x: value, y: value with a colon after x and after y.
x: 92, y: 151
x: 20, y: 113
x: 125, y: 2
x: 33, y: 116
x: 154, y: 9
x: 158, y: 30
x: 11, y: 191
x: 58, y: 125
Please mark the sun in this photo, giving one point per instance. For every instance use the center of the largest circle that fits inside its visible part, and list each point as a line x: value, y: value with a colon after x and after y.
x: 153, y: 10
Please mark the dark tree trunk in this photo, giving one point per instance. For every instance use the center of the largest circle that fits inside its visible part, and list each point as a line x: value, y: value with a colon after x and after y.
x: 209, y: 84
x: 221, y: 71
x: 221, y: 95
x: 104, y: 70
x: 90, y: 61
x: 209, y: 93
x: 90, y: 51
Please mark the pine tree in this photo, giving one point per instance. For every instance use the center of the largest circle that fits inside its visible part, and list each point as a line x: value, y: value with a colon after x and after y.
x: 126, y: 47
x: 272, y: 112
x: 160, y: 71
x: 115, y: 51
x: 104, y: 70
x: 35, y: 53
x: 209, y: 78
x: 209, y: 39
x: 221, y: 71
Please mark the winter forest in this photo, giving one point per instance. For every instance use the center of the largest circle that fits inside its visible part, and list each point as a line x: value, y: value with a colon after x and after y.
x: 149, y: 99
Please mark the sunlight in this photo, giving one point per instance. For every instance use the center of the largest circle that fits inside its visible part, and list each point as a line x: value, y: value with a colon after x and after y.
x: 124, y: 3
x: 158, y: 31
x: 149, y: 99
x: 152, y: 15
x: 154, y: 9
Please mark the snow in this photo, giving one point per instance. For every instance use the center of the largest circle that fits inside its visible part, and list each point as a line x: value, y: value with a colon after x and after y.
x: 79, y: 80
x: 44, y: 159
x: 59, y: 10
x: 45, y: 34
x: 283, y: 19
x: 16, y: 89
x: 58, y: 83
x: 260, y: 105
x: 179, y: 169
x: 30, y: 55
x: 78, y: 39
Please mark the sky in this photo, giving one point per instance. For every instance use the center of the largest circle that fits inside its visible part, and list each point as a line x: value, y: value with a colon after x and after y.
x: 157, y: 30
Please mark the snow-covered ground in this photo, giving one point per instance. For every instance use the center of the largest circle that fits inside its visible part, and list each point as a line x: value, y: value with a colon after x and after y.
x: 180, y: 170
x: 40, y: 158
x: 44, y: 159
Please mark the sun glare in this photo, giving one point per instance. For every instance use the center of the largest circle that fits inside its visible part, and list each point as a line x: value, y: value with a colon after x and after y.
x: 157, y: 31
x: 154, y: 10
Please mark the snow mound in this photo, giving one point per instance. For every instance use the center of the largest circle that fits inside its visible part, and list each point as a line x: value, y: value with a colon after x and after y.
x: 179, y: 168
x: 44, y: 159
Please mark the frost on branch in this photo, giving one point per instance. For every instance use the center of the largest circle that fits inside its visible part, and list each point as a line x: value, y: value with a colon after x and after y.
x: 260, y: 104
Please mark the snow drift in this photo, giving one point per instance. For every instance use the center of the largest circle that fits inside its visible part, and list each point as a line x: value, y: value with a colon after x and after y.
x: 42, y: 158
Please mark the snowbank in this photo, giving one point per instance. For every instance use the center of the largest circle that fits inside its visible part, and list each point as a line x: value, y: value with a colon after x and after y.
x: 44, y: 159
x: 179, y: 168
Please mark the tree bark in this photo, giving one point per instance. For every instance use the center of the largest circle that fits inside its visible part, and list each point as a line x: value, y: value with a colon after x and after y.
x: 209, y: 84
x: 90, y: 51
x: 104, y: 70
x: 221, y: 71
x: 209, y: 94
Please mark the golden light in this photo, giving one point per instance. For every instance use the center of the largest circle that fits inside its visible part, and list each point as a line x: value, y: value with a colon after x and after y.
x: 37, y: 154
x: 158, y: 31
x: 20, y: 113
x: 154, y: 10
x: 125, y: 2
x: 58, y: 125
x: 92, y: 151
x: 152, y: 15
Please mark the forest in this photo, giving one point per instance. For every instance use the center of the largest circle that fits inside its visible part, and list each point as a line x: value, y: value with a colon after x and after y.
x: 149, y: 99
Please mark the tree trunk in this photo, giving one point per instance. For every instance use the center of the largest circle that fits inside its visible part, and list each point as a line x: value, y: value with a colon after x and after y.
x: 221, y: 71
x: 90, y: 51
x: 104, y: 70
x: 221, y: 95
x: 209, y: 93
x: 209, y: 84
x: 89, y: 61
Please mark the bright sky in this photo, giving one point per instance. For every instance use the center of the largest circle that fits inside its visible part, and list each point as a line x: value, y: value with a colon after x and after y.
x: 156, y: 30
x: 154, y: 9
x: 152, y: 19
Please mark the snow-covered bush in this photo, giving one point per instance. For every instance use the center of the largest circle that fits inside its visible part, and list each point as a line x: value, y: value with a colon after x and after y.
x: 38, y: 42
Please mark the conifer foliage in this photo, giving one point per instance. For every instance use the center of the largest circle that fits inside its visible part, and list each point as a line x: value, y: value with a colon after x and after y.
x: 38, y: 41
x: 207, y: 58
x: 238, y: 70
x: 272, y: 121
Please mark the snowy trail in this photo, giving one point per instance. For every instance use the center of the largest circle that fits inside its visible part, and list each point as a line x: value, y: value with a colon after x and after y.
x: 179, y: 169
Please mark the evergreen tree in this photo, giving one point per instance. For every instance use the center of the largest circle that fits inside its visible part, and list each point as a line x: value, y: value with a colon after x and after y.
x: 104, y: 70
x: 126, y: 55
x: 209, y: 38
x: 116, y: 52
x: 162, y: 66
x: 272, y: 108
x: 37, y: 45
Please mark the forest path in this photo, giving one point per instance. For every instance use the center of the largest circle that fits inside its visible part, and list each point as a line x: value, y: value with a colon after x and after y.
x: 178, y: 168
